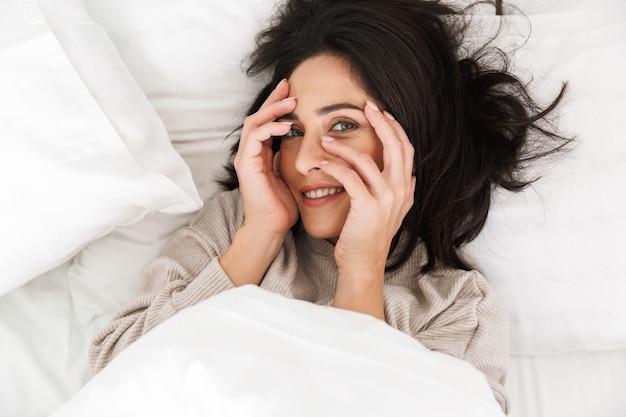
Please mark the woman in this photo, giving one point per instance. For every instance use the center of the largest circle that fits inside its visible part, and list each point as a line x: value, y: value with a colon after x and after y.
x: 364, y: 164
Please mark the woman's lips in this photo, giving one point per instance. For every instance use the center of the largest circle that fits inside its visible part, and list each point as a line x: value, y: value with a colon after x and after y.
x: 318, y: 196
x: 322, y: 192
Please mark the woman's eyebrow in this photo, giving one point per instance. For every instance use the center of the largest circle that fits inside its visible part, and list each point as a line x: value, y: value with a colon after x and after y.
x: 339, y: 106
x: 322, y: 111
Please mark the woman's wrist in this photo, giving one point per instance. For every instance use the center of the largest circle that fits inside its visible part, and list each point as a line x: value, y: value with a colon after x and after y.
x: 361, y: 289
x: 250, y: 255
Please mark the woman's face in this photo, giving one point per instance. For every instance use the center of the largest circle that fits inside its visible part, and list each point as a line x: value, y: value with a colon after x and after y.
x: 329, y: 103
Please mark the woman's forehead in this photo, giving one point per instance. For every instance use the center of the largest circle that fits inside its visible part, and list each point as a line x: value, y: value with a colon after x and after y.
x: 324, y: 81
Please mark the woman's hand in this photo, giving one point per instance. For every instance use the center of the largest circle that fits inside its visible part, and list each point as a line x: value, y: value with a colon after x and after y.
x: 379, y: 200
x: 269, y: 208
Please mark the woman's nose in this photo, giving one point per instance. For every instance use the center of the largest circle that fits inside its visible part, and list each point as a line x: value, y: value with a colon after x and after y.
x: 310, y: 154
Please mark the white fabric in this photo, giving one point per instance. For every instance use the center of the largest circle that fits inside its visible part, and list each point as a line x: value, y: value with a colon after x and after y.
x: 559, y: 6
x: 46, y: 325
x: 250, y: 352
x: 574, y: 384
x: 188, y: 58
x: 83, y: 151
x: 551, y: 251
x: 43, y: 352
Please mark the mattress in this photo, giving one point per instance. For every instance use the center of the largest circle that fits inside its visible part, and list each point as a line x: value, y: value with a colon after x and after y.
x: 574, y: 384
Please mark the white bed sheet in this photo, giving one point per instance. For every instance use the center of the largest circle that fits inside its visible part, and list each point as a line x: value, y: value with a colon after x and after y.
x: 575, y: 384
x: 47, y: 324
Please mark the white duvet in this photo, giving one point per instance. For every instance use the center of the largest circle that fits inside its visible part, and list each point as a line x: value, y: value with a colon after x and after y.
x: 249, y: 352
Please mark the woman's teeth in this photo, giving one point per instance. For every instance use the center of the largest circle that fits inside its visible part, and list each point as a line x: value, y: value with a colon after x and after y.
x: 322, y: 192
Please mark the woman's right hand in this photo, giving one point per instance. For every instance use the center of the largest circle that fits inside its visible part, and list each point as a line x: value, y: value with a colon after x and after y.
x: 269, y: 207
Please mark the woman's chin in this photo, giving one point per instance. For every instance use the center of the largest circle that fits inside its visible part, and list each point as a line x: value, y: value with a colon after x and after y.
x: 329, y: 234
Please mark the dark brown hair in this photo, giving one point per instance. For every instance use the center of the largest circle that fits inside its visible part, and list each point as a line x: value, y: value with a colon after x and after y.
x: 469, y: 118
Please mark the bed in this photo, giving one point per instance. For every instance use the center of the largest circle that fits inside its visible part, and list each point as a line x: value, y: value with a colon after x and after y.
x: 115, y: 119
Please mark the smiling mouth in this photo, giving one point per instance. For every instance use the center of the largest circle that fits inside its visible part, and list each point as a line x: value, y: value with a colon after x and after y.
x: 322, y: 192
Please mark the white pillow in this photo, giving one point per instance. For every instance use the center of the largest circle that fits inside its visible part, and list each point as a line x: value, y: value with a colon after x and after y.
x: 552, y: 252
x: 188, y: 58
x: 83, y: 150
x: 250, y: 352
x: 559, y: 6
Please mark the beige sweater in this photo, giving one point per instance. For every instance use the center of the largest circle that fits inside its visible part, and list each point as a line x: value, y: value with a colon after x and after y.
x: 447, y: 310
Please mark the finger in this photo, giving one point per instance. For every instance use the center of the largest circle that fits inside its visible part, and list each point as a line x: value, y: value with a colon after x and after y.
x: 409, y: 150
x: 410, y: 197
x: 362, y: 163
x: 267, y: 131
x: 277, y: 104
x: 279, y: 92
x: 393, y: 150
x: 269, y: 113
x: 255, y: 139
x: 349, y: 178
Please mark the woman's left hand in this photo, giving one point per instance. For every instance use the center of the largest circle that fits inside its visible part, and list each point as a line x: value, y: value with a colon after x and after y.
x: 379, y: 200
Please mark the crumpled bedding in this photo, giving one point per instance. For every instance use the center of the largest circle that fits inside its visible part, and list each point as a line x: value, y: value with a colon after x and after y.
x: 250, y: 352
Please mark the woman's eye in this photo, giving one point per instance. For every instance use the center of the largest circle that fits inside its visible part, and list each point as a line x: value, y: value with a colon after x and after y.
x: 343, y: 126
x: 293, y: 133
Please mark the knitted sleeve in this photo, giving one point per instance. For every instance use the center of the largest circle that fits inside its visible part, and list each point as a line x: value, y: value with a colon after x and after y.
x: 457, y: 313
x: 186, y: 272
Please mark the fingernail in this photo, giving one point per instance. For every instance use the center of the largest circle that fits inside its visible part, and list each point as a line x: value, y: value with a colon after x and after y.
x: 279, y: 83
x: 372, y: 106
x: 286, y: 123
x: 327, y: 139
x: 324, y: 162
x: 389, y: 116
x: 288, y: 99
